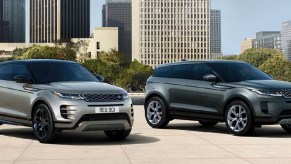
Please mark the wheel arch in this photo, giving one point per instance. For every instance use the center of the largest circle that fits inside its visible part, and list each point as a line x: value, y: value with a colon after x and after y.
x: 155, y: 94
x: 36, y: 103
x: 239, y: 98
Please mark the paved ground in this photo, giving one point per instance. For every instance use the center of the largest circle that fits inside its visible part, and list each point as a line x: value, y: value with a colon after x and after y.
x: 181, y: 142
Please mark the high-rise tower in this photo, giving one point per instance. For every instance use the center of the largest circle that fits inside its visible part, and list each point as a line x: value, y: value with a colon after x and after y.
x: 166, y: 31
x: 51, y: 20
x: 117, y: 13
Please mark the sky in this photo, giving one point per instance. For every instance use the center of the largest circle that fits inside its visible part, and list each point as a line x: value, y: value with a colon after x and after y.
x: 240, y: 19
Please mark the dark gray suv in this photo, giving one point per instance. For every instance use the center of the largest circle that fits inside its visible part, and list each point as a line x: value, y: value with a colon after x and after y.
x: 233, y: 92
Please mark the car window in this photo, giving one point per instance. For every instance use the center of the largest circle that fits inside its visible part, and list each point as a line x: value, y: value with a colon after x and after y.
x: 162, y: 71
x: 6, y: 72
x: 183, y: 71
x: 201, y: 70
x: 20, y: 69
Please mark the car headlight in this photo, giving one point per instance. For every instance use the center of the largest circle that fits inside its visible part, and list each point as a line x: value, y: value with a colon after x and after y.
x: 267, y: 93
x: 125, y: 96
x: 69, y: 96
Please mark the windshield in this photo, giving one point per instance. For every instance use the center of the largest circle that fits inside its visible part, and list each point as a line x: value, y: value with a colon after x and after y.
x: 48, y: 72
x: 236, y: 72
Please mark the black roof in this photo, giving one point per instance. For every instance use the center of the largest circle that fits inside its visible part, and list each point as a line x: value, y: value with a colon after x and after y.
x: 39, y: 61
x: 201, y: 61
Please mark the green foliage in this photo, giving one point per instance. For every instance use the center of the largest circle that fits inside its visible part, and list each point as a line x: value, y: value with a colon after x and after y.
x: 114, y: 68
x: 134, y: 77
x: 230, y: 57
x: 278, y: 68
x: 45, y: 52
x: 257, y: 56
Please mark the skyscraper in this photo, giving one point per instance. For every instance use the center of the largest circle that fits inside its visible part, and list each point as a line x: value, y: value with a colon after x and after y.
x: 1, y: 21
x: 215, y: 33
x: 51, y: 20
x: 117, y: 13
x: 166, y: 31
x: 13, y: 21
x: 286, y: 39
x: 268, y: 39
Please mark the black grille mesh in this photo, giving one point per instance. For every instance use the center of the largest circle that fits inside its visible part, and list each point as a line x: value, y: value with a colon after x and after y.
x: 103, y: 97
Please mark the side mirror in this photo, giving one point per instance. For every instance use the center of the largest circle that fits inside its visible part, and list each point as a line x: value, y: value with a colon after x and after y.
x: 22, y: 79
x: 210, y: 78
x: 100, y: 78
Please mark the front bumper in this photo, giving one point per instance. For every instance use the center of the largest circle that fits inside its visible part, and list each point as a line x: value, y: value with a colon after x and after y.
x: 271, y: 110
x: 80, y: 115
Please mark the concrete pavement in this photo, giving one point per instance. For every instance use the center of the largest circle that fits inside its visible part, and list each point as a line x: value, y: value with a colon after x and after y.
x: 181, y: 142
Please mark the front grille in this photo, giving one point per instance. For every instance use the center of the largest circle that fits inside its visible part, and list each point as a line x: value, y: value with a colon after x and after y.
x: 105, y: 117
x: 286, y: 94
x: 103, y: 97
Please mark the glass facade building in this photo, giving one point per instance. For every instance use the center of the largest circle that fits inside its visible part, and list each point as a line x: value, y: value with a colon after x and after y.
x: 117, y: 13
x: 52, y: 20
x: 286, y: 39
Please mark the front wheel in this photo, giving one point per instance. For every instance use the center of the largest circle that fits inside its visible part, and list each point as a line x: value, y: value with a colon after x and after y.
x: 238, y: 118
x: 156, y: 113
x: 286, y: 127
x: 117, y: 135
x: 42, y: 124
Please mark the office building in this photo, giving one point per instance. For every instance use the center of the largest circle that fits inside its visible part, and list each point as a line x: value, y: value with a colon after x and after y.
x: 215, y: 34
x: 117, y: 13
x: 13, y: 21
x: 170, y: 31
x: 268, y: 39
x: 286, y: 39
x: 103, y: 40
x: 52, y: 20
x: 246, y: 44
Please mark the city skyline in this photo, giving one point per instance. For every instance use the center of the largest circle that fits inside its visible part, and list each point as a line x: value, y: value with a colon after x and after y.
x: 242, y: 18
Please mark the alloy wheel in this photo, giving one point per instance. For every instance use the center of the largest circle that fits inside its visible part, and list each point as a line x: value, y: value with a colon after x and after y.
x: 41, y: 123
x: 154, y: 112
x: 237, y: 118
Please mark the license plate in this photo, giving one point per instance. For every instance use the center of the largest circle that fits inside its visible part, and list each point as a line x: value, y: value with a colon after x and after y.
x: 107, y: 109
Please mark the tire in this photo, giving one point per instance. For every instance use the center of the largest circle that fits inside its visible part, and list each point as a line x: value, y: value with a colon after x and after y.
x: 42, y: 124
x: 239, y: 119
x: 156, y: 113
x: 207, y: 123
x: 286, y: 127
x: 117, y: 135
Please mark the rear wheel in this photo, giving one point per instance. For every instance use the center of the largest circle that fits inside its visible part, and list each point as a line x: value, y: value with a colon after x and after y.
x: 117, y: 135
x: 286, y: 127
x: 238, y: 118
x: 42, y: 124
x: 156, y: 113
x: 207, y: 123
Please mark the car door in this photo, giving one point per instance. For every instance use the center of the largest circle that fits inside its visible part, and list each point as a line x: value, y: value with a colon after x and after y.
x: 15, y: 100
x: 5, y: 81
x: 178, y: 90
x: 206, y: 97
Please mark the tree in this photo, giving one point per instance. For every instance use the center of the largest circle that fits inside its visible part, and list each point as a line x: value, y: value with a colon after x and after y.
x: 47, y: 52
x: 134, y: 78
x: 18, y: 53
x: 230, y: 57
x: 257, y: 56
x: 278, y: 68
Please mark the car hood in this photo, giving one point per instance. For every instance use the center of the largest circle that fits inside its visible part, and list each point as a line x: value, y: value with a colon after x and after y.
x: 264, y: 84
x: 81, y: 88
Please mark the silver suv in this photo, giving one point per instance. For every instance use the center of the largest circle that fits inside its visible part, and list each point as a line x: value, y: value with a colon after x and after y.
x: 52, y: 95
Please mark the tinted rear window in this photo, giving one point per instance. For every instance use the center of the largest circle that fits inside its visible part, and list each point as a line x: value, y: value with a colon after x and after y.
x: 183, y: 71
